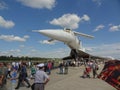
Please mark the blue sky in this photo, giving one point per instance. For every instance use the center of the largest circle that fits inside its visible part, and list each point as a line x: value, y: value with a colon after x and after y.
x: 100, y: 18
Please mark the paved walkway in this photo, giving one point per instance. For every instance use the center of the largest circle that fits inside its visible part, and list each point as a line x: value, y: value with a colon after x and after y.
x: 72, y: 81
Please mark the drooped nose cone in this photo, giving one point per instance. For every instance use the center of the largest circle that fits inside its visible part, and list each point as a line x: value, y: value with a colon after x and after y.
x: 56, y: 34
x: 48, y: 33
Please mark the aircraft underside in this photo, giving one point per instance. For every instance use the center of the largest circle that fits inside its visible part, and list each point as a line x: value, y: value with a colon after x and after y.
x: 77, y: 54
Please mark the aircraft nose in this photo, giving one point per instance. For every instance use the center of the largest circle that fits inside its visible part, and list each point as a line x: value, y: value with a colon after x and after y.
x: 59, y: 35
x: 55, y: 34
x: 46, y: 32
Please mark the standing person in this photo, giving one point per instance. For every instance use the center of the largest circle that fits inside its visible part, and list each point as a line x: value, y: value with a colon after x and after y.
x: 41, y: 78
x: 13, y: 78
x: 33, y: 71
x: 3, y: 71
x: 95, y: 68
x: 66, y: 67
x: 49, y: 65
x: 45, y: 66
x: 61, y: 67
x: 9, y: 70
x: 22, y: 76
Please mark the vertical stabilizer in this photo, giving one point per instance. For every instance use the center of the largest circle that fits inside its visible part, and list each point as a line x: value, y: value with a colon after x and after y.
x: 81, y: 47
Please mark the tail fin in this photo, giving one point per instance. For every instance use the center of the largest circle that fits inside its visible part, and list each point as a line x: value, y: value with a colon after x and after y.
x: 81, y: 47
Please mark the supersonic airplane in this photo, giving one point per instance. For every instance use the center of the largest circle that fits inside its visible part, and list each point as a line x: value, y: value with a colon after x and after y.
x: 70, y: 38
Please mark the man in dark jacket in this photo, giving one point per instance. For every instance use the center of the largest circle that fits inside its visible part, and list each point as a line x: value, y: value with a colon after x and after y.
x: 22, y: 76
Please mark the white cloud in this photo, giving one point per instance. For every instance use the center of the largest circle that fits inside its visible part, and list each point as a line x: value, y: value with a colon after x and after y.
x: 6, y: 23
x: 22, y: 46
x: 15, y: 52
x: 26, y: 37
x: 47, y: 42
x: 99, y: 27
x: 114, y: 28
x: 85, y: 18
x: 117, y: 48
x: 69, y: 21
x: 106, y: 50
x: 103, y: 50
x: 39, y: 4
x: 56, y: 53
x: 110, y: 24
x: 98, y: 2
x: 11, y: 38
x: 33, y: 50
x: 3, y: 5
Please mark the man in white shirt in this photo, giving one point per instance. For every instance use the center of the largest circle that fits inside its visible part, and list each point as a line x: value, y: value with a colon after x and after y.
x: 41, y: 78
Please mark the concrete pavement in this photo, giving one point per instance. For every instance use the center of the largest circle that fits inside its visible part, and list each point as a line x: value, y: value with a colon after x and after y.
x: 72, y: 81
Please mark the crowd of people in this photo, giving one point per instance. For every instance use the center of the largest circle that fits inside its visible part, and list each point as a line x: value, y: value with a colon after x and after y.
x: 18, y: 73
x: 63, y: 66
x: 90, y: 66
x: 12, y: 72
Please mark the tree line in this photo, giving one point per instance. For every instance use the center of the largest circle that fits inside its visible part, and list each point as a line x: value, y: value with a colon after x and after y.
x: 24, y: 58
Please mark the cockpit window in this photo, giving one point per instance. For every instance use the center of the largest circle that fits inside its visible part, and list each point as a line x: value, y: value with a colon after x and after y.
x: 67, y: 30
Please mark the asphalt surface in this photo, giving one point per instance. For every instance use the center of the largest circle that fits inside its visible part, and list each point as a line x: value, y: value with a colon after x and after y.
x: 71, y: 81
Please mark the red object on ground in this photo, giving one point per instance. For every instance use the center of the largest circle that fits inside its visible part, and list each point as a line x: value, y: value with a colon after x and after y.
x: 111, y: 73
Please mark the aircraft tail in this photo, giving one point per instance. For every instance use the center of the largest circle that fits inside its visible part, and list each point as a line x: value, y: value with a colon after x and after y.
x: 81, y: 47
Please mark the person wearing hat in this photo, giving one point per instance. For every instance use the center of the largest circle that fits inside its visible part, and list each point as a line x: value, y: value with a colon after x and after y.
x: 41, y: 78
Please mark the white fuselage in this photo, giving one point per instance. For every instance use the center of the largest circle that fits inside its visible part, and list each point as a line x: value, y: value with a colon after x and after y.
x: 66, y: 36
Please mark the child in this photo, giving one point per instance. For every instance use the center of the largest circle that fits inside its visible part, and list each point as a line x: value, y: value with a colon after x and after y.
x: 13, y: 78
